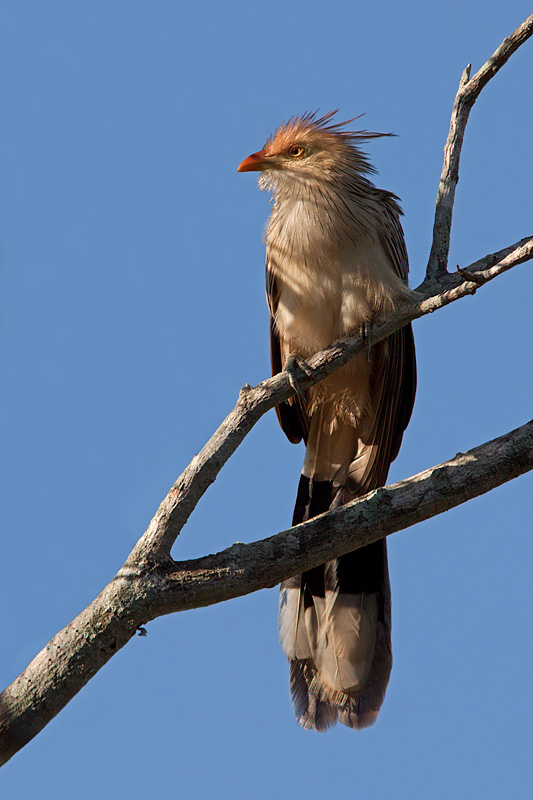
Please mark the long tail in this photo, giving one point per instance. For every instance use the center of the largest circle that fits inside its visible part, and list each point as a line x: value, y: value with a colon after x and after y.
x: 335, y: 620
x: 335, y: 628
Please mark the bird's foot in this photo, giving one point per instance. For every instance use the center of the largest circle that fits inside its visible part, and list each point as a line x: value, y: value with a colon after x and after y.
x: 292, y: 364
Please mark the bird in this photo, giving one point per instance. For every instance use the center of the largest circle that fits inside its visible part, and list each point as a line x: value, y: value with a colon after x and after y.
x: 335, y: 260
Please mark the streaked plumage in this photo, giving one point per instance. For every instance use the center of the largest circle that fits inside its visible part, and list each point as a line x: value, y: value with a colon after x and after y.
x: 335, y: 258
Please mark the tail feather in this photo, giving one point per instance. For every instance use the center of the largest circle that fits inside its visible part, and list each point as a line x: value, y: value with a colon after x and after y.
x: 335, y: 626
x: 310, y: 710
x: 335, y: 620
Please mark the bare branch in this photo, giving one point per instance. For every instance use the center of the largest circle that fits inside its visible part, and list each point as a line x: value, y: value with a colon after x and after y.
x: 494, y: 258
x: 504, y: 52
x: 493, y: 265
x: 466, y: 281
x: 467, y: 94
x: 246, y: 568
x: 136, y: 595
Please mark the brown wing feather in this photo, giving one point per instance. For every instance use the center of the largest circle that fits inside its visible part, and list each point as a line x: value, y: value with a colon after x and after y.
x: 393, y: 386
x: 398, y: 379
x: 393, y: 394
x: 391, y: 234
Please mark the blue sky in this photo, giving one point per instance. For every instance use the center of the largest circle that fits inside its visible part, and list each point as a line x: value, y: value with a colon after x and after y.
x: 133, y: 311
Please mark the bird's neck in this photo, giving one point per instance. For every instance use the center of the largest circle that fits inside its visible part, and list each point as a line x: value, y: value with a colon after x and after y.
x: 312, y: 215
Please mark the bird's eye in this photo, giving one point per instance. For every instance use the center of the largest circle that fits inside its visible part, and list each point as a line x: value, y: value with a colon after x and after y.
x: 297, y: 151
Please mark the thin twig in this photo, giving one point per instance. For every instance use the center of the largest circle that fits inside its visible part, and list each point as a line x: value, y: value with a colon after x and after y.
x: 522, y: 252
x: 493, y: 258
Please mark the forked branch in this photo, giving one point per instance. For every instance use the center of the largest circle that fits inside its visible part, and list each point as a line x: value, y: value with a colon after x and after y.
x: 467, y: 94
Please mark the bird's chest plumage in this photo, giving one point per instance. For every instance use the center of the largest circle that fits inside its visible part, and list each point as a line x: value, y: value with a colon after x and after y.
x: 320, y: 276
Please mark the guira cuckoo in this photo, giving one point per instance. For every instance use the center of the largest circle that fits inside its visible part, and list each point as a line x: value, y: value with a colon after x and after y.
x: 335, y: 258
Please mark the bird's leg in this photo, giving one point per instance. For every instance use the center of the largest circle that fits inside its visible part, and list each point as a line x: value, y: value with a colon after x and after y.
x: 365, y: 332
x: 292, y: 364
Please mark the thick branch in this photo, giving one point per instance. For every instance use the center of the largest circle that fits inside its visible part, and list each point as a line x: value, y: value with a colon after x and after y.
x: 467, y: 94
x: 134, y: 597
x: 242, y: 569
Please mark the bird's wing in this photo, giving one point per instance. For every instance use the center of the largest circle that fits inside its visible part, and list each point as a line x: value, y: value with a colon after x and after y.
x: 393, y: 390
x: 391, y: 236
x: 393, y: 381
x: 399, y: 379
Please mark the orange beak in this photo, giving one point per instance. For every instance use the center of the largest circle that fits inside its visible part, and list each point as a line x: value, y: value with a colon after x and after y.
x: 254, y: 163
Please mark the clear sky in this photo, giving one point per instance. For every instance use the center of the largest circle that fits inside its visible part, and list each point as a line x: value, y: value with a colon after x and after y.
x: 132, y: 312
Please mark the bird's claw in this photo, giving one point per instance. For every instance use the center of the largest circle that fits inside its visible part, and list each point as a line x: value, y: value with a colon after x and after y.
x: 292, y: 364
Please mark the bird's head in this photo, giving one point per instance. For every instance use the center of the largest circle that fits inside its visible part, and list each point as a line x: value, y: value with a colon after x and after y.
x: 307, y: 148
